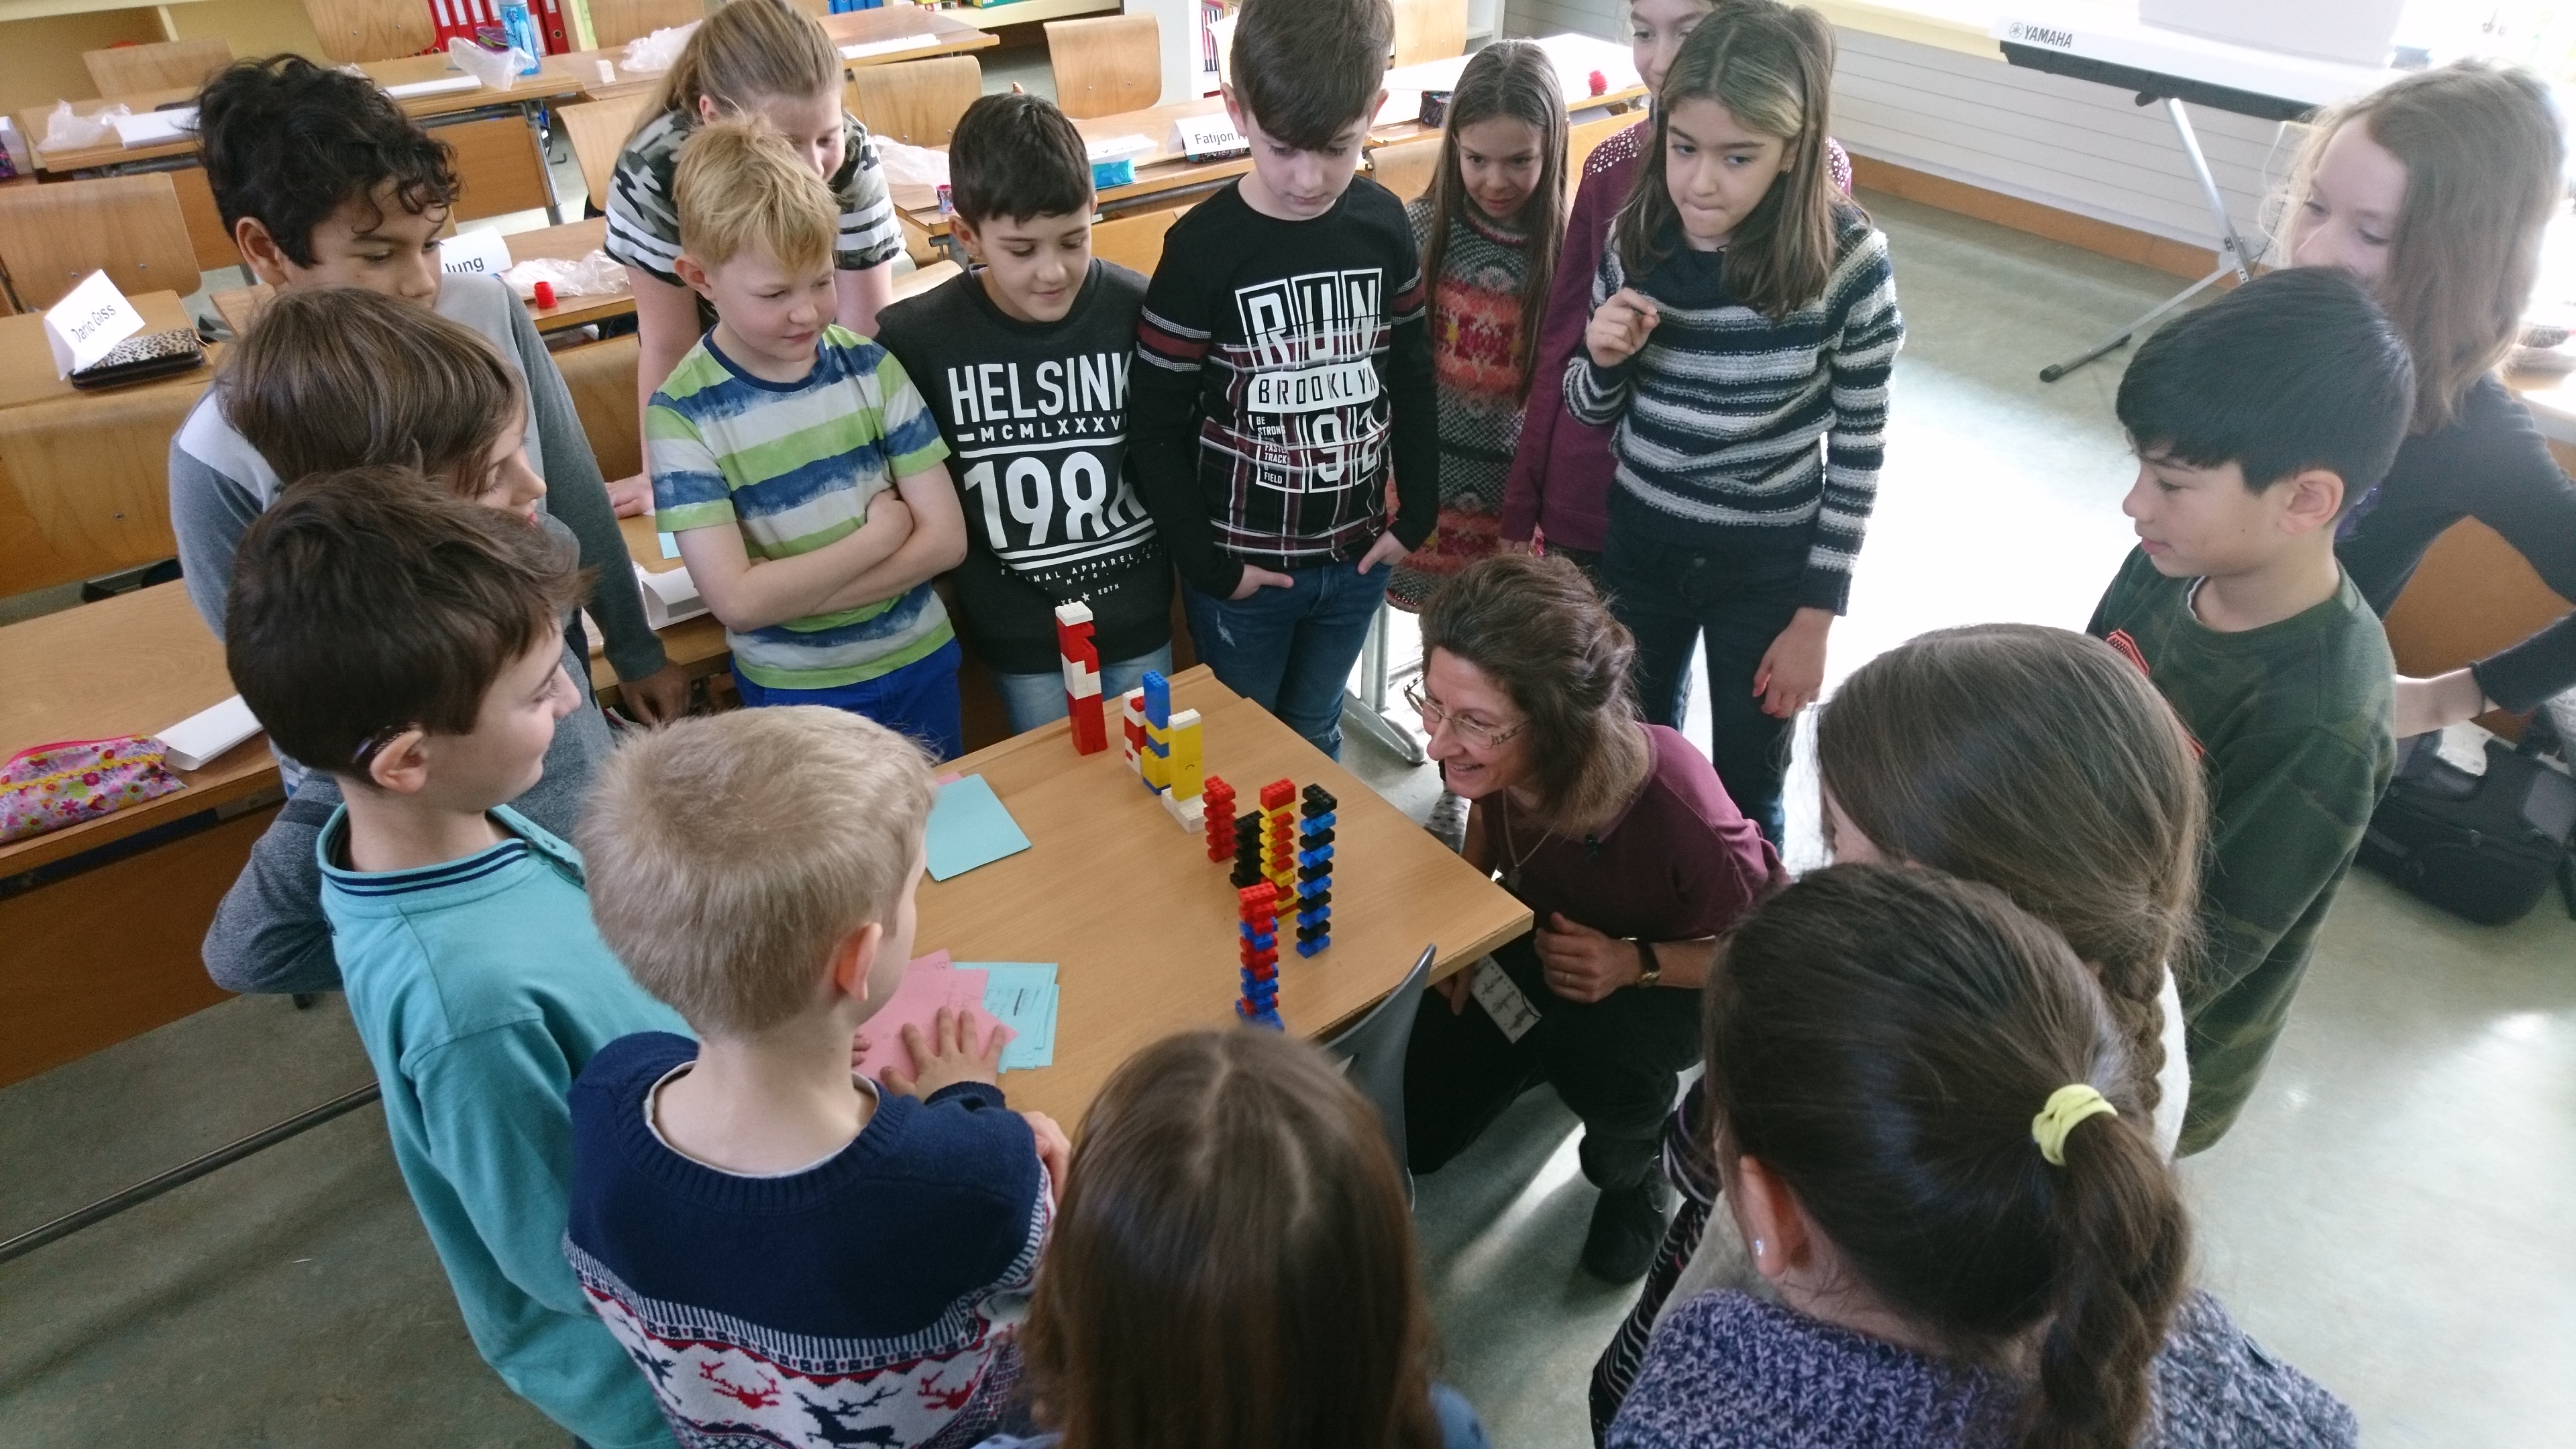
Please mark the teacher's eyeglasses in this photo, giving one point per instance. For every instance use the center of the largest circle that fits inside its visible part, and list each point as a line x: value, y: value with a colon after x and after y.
x: 1475, y: 732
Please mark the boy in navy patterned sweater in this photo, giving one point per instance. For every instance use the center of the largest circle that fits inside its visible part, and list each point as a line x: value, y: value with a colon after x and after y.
x: 791, y: 1255
x: 1283, y: 368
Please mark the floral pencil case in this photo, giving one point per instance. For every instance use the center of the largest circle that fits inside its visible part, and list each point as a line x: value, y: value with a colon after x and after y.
x: 53, y: 786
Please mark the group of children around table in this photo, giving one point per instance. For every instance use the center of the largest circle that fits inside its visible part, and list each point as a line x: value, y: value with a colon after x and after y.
x: 618, y: 1079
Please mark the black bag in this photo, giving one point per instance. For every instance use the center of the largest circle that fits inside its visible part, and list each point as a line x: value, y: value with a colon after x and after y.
x: 2481, y: 846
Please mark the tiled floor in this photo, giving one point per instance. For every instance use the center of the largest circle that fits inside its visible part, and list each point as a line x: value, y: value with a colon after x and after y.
x: 2386, y: 1216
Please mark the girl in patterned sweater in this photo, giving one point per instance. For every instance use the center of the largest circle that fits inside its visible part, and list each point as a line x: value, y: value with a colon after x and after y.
x: 1936, y: 1156
x: 1743, y: 315
x: 1489, y: 230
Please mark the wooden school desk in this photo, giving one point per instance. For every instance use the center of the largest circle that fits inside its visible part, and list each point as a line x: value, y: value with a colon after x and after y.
x: 1163, y: 178
x: 883, y: 36
x: 503, y: 166
x: 91, y: 956
x: 568, y: 243
x: 1142, y: 924
x: 27, y: 364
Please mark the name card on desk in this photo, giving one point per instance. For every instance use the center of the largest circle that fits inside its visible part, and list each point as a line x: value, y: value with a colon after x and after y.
x: 200, y: 739
x: 88, y: 323
x: 867, y: 48
x: 479, y: 253
x: 444, y: 85
x: 155, y: 128
x: 1207, y: 138
x: 669, y: 596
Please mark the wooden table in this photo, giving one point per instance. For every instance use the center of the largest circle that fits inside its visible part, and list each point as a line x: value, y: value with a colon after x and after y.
x: 569, y: 243
x: 1142, y: 924
x: 527, y: 96
x: 947, y: 35
x: 27, y: 364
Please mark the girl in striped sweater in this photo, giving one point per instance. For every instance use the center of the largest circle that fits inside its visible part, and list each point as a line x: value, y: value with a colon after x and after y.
x: 1743, y: 326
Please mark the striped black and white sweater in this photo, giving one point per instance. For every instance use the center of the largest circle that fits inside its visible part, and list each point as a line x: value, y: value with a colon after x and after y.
x: 1719, y: 414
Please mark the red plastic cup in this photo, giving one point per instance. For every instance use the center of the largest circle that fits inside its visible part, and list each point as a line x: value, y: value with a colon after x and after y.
x: 1600, y: 83
x: 546, y: 296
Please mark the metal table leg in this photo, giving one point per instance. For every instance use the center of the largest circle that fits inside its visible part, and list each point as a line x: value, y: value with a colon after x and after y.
x: 2233, y: 258
x: 1367, y: 712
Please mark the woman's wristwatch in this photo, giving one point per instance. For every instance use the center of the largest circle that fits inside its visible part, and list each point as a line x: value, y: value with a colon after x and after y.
x: 1652, y: 971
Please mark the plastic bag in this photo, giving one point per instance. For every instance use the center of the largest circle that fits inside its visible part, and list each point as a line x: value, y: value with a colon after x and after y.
x: 903, y: 165
x: 496, y: 69
x: 655, y: 53
x: 65, y: 131
x: 595, y: 275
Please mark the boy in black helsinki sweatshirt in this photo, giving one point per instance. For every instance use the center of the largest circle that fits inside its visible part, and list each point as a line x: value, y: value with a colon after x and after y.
x: 1283, y: 366
x: 1024, y: 361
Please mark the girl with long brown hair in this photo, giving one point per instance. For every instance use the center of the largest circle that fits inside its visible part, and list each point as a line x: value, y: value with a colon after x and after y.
x: 2081, y: 799
x: 1928, y: 1127
x: 1622, y: 842
x: 1489, y: 228
x: 1561, y: 475
x: 1743, y: 315
x: 2434, y: 190
x: 1233, y: 1264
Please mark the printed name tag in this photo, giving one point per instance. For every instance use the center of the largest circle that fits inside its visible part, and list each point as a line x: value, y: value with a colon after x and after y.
x: 1338, y: 384
x: 480, y: 253
x: 1495, y: 991
x: 88, y: 322
x: 1207, y: 136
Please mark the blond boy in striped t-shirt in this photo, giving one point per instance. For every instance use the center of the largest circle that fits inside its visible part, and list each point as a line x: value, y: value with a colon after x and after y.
x: 795, y: 462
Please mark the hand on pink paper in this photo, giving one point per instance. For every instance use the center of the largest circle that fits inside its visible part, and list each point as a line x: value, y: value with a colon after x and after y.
x: 950, y: 1054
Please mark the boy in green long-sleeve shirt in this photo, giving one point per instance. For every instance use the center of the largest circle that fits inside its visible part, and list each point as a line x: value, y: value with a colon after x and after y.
x: 2257, y: 421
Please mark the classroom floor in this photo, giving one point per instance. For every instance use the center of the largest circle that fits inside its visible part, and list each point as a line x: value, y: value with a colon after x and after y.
x: 2383, y: 1217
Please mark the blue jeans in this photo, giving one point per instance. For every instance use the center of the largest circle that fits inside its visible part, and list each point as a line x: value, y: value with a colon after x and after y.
x: 1031, y: 700
x: 1738, y: 599
x: 1291, y: 650
x: 919, y: 700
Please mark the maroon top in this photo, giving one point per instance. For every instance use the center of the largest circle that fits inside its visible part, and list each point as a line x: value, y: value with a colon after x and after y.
x: 1678, y: 863
x: 1561, y: 473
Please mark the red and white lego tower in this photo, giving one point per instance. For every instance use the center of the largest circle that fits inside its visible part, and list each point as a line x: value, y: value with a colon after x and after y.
x: 1081, y: 678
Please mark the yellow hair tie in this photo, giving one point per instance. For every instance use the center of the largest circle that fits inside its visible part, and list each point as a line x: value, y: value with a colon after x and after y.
x: 2066, y: 1107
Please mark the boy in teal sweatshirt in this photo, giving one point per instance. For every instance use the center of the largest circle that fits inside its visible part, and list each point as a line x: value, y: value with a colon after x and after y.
x: 410, y: 643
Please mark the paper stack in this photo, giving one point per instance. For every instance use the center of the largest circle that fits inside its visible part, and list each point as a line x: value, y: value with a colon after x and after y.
x: 1018, y: 995
x: 1022, y: 996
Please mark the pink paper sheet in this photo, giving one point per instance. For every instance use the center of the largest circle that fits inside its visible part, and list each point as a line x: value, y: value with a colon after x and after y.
x: 929, y: 983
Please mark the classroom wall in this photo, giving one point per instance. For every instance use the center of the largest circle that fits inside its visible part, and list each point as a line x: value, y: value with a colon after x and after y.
x: 2064, y: 143
x: 2047, y: 139
x: 1605, y: 18
x: 40, y: 60
x: 255, y: 27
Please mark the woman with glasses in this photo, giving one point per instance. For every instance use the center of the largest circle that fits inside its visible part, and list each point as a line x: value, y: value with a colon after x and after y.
x: 1624, y: 845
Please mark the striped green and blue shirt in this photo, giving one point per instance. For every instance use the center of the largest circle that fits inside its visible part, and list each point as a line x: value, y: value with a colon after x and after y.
x: 794, y: 465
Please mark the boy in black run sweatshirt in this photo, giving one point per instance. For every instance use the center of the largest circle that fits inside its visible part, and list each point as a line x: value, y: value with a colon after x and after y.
x: 1024, y: 361
x: 1026, y: 367
x: 1282, y: 366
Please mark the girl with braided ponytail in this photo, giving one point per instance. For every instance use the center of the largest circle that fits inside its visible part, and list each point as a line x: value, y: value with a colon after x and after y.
x: 1621, y: 840
x: 1932, y: 1143
x: 2032, y: 759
